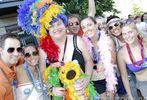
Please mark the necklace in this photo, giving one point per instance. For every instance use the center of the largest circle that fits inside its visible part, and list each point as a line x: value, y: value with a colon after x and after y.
x: 95, y: 54
x: 142, y: 62
x: 36, y: 83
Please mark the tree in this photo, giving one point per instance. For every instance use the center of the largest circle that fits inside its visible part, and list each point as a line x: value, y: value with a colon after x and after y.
x: 81, y: 6
x: 137, y: 10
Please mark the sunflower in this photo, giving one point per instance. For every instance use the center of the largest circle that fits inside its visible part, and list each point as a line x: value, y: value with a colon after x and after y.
x: 69, y: 73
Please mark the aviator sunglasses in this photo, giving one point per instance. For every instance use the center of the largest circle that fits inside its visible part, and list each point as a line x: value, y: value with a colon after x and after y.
x: 116, y: 24
x: 11, y: 50
x: 34, y: 53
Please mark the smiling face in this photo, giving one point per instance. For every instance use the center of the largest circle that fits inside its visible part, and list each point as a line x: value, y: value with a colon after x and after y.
x: 89, y: 27
x: 115, y: 28
x: 74, y: 25
x: 11, y: 52
x: 129, y: 33
x: 57, y: 29
x: 31, y: 55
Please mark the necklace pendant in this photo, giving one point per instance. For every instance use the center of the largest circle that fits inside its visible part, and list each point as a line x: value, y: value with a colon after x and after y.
x: 27, y: 91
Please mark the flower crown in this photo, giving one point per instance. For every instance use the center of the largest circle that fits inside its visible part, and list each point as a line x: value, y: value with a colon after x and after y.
x: 35, y: 16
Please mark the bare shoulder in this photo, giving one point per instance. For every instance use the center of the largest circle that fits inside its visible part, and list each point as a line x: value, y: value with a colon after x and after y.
x: 121, y: 52
x: 110, y: 39
x: 80, y: 43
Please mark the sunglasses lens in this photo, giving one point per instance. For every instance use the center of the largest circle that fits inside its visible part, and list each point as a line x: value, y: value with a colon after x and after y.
x: 76, y: 23
x: 116, y: 24
x: 27, y: 55
x: 110, y: 27
x: 35, y: 53
x: 10, y: 50
x: 20, y: 50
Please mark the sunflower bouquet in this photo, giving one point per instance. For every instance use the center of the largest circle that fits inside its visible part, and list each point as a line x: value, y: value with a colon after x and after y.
x: 68, y: 75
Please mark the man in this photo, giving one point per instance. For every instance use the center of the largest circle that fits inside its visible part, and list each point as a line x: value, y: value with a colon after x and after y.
x: 10, y: 53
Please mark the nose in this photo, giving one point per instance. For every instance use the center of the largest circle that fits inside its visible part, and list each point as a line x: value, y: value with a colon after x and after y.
x: 16, y: 53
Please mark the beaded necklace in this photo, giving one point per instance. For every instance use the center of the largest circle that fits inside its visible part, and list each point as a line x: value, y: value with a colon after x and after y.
x: 142, y: 62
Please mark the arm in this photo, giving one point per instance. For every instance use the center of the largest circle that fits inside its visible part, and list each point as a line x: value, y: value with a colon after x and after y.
x: 42, y: 59
x: 91, y: 8
x: 123, y: 72
x: 88, y: 64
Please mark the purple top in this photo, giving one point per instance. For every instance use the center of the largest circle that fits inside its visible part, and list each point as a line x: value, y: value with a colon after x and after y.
x: 134, y: 68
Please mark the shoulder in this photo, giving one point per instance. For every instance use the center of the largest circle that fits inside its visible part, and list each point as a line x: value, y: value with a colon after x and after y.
x: 121, y: 52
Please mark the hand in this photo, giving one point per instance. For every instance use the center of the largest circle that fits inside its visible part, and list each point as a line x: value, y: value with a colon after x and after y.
x: 58, y: 91
x: 56, y: 64
x: 81, y: 83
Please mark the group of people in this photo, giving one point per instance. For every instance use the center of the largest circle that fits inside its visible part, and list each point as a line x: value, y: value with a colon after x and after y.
x: 111, y: 53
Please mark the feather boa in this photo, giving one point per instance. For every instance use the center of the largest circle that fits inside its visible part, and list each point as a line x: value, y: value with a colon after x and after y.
x: 52, y: 50
x: 105, y: 56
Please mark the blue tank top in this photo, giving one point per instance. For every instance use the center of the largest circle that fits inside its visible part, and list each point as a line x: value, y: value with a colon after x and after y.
x: 134, y: 68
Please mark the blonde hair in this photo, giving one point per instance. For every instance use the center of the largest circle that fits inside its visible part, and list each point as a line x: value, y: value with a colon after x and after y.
x: 131, y: 25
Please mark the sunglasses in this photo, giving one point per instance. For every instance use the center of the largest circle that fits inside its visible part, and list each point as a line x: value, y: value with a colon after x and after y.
x: 27, y: 55
x: 75, y: 23
x: 11, y: 50
x: 116, y: 24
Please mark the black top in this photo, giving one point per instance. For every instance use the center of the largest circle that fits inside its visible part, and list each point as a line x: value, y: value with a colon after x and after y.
x: 77, y: 54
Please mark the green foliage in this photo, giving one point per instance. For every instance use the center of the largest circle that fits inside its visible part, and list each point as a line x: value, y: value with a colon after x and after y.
x: 81, y: 6
x: 137, y: 10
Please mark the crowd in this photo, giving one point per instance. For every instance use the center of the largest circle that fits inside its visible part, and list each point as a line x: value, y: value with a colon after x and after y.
x: 111, y: 52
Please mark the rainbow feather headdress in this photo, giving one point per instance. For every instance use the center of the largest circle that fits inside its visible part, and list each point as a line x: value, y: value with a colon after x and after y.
x: 36, y: 16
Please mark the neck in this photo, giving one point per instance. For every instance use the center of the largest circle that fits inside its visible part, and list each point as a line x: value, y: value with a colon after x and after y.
x: 120, y: 38
x: 134, y: 44
x: 94, y: 39
x: 60, y: 41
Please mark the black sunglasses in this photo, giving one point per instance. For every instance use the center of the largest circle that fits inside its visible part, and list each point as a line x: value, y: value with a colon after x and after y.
x: 116, y: 24
x: 75, y: 23
x: 11, y: 50
x: 27, y: 55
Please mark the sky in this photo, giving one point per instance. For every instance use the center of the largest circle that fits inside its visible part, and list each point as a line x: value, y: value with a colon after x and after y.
x: 126, y: 6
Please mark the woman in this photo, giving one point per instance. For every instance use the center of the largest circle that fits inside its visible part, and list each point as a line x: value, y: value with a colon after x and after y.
x: 49, y: 22
x: 29, y: 78
x: 134, y: 61
x: 101, y: 48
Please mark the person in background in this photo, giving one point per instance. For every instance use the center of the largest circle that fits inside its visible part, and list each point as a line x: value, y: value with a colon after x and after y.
x: 114, y: 25
x: 142, y: 28
x: 102, y: 50
x: 101, y: 24
x: 137, y: 19
x: 74, y: 19
x: 10, y: 54
x: 29, y: 77
x: 136, y: 61
x: 144, y: 17
x: 130, y: 19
